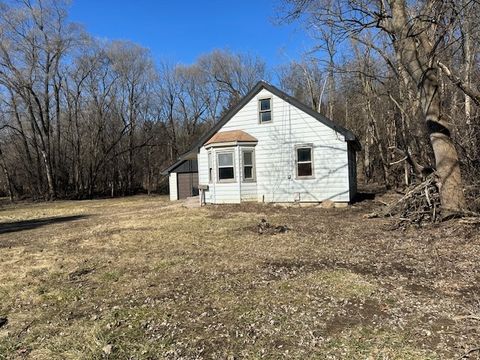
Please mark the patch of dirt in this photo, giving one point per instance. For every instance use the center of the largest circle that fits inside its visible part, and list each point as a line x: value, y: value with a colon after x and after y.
x: 471, y: 293
x: 265, y: 228
x: 77, y: 274
x: 356, y: 313
x: 287, y: 269
x: 289, y: 266
x: 419, y: 289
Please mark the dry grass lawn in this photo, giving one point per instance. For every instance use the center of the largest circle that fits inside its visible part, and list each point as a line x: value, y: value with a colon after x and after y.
x: 143, y: 278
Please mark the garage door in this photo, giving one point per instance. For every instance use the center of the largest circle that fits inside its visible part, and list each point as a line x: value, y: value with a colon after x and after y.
x: 187, y: 185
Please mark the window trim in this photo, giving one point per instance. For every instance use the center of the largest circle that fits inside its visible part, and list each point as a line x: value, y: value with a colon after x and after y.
x: 260, y: 111
x: 304, y: 146
x: 254, y: 170
x: 217, y: 167
x: 210, y: 166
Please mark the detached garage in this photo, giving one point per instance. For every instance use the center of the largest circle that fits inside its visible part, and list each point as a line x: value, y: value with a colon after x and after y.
x: 183, y: 179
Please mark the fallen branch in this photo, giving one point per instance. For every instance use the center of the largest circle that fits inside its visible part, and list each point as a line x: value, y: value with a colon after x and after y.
x: 25, y: 329
x: 398, y: 161
x: 470, y: 317
x: 471, y: 220
x: 468, y: 353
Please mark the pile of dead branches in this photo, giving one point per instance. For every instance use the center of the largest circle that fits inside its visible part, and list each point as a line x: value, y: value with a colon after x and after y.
x: 420, y: 204
x: 264, y: 227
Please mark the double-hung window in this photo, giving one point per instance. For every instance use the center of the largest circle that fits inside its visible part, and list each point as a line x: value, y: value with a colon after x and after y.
x: 225, y: 166
x: 265, y: 110
x: 304, y: 161
x: 248, y: 159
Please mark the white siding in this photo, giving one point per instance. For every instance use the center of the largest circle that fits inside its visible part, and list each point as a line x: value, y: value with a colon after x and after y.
x: 203, y: 170
x: 249, y: 191
x: 172, y: 184
x: 275, y: 158
x: 218, y: 193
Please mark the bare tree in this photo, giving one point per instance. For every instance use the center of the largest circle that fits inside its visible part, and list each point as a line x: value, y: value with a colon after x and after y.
x: 305, y: 80
x: 133, y: 67
x: 416, y: 34
x: 234, y: 74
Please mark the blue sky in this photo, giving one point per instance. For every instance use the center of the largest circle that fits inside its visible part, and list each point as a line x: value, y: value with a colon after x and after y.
x: 180, y: 31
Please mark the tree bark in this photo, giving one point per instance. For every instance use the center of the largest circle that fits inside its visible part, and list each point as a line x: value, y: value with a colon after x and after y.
x: 10, y: 187
x: 415, y: 54
x: 446, y: 157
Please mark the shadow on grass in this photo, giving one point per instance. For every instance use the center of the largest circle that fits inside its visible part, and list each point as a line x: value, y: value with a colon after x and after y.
x: 35, y: 223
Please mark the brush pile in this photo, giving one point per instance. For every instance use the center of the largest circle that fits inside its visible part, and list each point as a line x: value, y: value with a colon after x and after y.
x: 264, y: 227
x: 420, y: 204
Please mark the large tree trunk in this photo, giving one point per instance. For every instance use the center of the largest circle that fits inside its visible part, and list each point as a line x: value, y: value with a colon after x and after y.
x: 446, y: 157
x: 416, y: 55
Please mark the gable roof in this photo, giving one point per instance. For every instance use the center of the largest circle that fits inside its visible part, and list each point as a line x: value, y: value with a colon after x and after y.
x: 349, y: 136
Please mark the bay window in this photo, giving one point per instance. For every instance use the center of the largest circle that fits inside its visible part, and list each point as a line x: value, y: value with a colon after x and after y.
x: 225, y: 166
x: 248, y: 164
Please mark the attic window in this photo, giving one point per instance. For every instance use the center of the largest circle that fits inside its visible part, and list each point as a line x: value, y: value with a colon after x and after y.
x: 265, y: 110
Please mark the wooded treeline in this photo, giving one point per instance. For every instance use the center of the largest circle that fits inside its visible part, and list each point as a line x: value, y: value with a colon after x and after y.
x: 81, y: 117
x: 406, y: 82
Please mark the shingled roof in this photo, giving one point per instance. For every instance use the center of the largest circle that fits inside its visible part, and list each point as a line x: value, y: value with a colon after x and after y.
x: 231, y: 136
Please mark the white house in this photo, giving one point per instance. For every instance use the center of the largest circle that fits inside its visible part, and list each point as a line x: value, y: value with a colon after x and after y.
x: 269, y: 148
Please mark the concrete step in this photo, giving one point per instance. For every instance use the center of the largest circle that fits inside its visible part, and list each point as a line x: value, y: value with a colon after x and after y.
x: 192, y: 202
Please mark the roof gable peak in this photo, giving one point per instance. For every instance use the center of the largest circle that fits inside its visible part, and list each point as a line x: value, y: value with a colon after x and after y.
x: 263, y: 84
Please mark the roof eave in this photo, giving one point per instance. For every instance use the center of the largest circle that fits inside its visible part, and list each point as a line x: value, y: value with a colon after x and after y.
x: 231, y: 143
x: 356, y: 144
x: 189, y: 155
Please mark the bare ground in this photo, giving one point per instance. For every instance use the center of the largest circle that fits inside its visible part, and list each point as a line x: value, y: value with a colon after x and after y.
x: 143, y: 278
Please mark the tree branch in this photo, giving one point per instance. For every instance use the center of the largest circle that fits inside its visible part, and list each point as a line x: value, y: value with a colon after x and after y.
x: 474, y: 94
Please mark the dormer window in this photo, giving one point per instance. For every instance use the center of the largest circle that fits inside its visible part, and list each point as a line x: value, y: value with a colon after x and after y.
x: 265, y: 110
